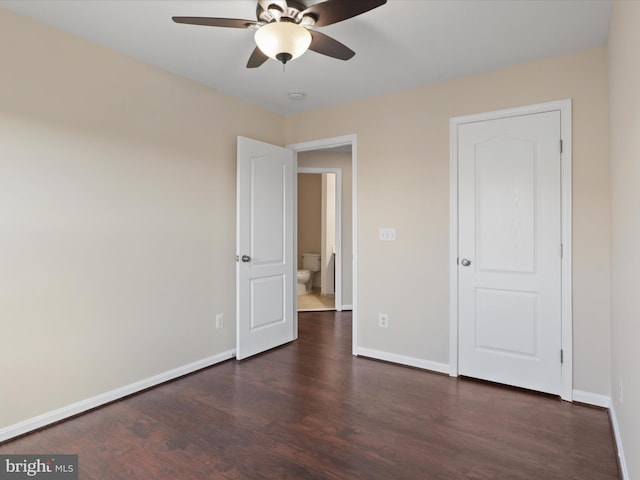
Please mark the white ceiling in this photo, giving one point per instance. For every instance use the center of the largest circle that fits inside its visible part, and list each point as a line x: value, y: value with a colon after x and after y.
x: 403, y: 44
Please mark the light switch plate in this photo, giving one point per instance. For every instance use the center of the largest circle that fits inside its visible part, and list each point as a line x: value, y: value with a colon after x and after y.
x: 387, y: 234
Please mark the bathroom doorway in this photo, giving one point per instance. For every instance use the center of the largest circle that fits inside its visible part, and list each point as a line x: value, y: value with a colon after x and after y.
x: 319, y: 238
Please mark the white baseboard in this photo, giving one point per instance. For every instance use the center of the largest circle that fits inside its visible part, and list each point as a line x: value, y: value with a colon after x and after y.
x: 592, y: 398
x: 82, y: 406
x: 618, y: 439
x: 403, y: 360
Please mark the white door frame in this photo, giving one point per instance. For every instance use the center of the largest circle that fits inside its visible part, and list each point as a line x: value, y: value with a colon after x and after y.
x: 564, y: 107
x: 338, y: 225
x: 330, y: 143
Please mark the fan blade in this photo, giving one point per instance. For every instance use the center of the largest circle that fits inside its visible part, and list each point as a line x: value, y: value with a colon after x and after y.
x: 334, y: 11
x: 215, y: 22
x: 257, y: 58
x: 326, y: 45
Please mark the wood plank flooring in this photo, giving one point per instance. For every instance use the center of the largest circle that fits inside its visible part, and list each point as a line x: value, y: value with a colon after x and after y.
x: 310, y: 410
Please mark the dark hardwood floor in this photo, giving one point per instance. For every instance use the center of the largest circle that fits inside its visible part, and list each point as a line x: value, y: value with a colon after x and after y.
x: 310, y: 410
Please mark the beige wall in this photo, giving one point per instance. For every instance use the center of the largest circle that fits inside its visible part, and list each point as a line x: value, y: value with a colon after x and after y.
x: 117, y: 218
x: 403, y: 182
x: 341, y: 160
x: 309, y: 214
x: 624, y: 64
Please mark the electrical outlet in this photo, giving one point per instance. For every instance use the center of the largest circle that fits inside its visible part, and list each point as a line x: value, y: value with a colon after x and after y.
x: 383, y: 320
x: 220, y: 320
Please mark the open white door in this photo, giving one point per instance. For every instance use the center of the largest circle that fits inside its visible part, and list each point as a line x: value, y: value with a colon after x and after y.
x: 264, y: 247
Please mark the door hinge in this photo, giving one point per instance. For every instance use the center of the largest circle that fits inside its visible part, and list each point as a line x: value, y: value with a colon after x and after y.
x: 560, y: 146
x: 561, y: 356
x: 562, y: 250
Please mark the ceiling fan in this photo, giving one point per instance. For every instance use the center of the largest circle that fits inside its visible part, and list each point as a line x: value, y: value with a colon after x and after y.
x: 285, y: 29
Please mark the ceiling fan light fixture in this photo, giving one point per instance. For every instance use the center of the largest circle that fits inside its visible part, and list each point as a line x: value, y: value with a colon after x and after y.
x: 283, y: 41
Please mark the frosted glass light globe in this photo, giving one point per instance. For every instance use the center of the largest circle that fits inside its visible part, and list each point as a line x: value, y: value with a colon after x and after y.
x: 283, y: 41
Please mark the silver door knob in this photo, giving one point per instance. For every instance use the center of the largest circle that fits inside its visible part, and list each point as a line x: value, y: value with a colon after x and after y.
x: 465, y: 262
x: 246, y: 258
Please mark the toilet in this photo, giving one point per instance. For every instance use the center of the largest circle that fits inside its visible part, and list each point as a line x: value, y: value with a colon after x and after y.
x: 310, y: 265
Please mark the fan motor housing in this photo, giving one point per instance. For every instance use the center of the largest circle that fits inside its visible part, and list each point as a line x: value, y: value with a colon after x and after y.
x: 294, y: 7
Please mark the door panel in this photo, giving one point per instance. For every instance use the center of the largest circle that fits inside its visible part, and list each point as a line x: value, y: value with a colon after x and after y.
x: 505, y: 183
x: 265, y: 281
x: 502, y: 316
x: 268, y: 293
x: 268, y: 185
x: 510, y: 231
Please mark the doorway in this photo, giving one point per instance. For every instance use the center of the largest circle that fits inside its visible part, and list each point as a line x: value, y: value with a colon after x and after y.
x: 511, y: 247
x: 266, y: 243
x: 317, y: 155
x: 319, y: 234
